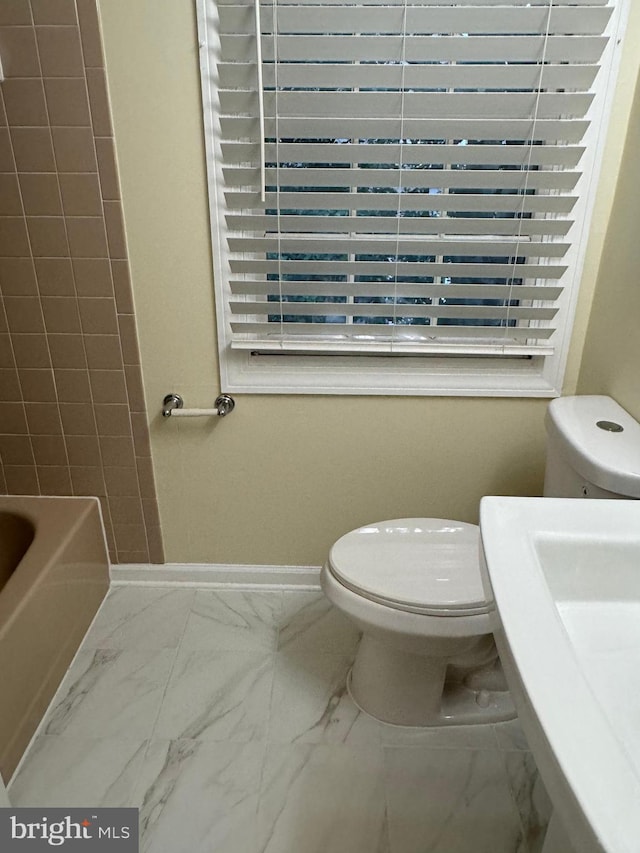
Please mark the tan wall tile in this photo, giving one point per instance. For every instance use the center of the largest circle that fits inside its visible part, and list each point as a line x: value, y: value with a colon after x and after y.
x: 90, y: 33
x: 60, y: 53
x: 6, y: 153
x: 37, y: 386
x: 13, y: 418
x: 73, y: 386
x: 81, y: 194
x: 115, y: 229
x: 140, y: 434
x: 61, y: 314
x: 87, y: 481
x: 126, y: 510
x: 54, y: 11
x: 151, y: 514
x: 99, y: 102
x: 6, y: 351
x: 98, y: 316
x: 16, y: 450
x: 78, y: 418
x: 129, y: 338
x: 156, y: 549
x: 17, y: 277
x: 55, y: 276
x: 135, y: 389
x: 93, y: 276
x: 43, y: 418
x: 122, y: 287
x: 54, y: 480
x: 87, y: 237
x: 130, y: 538
x: 117, y: 451
x: 108, y: 386
x: 21, y: 480
x: 10, y: 203
x: 49, y: 449
x: 48, y: 236
x: 24, y: 314
x: 15, y: 12
x: 67, y: 101
x: 103, y: 352
x: 65, y: 278
x: 31, y: 350
x: 24, y: 102
x: 41, y: 194
x: 83, y: 450
x: 74, y: 149
x: 112, y: 419
x: 9, y: 385
x: 107, y: 168
x: 33, y: 149
x: 67, y: 351
x: 14, y: 240
x: 121, y: 481
x: 19, y: 52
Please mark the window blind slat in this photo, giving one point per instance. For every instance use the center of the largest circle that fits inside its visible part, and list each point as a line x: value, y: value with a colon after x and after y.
x: 363, y: 331
x: 509, y: 130
x: 404, y: 290
x: 248, y: 153
x: 407, y: 178
x: 400, y: 268
x: 243, y: 75
x: 389, y: 245
x: 347, y: 105
x: 418, y: 48
x: 320, y: 19
x: 411, y: 202
x: 424, y: 226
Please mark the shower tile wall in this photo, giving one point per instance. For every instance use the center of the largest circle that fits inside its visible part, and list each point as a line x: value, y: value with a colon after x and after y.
x: 72, y: 410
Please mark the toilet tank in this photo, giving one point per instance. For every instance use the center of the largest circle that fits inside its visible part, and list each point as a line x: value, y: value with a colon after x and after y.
x: 593, y: 449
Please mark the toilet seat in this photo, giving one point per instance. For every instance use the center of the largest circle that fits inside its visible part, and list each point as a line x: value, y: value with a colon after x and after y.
x: 426, y: 566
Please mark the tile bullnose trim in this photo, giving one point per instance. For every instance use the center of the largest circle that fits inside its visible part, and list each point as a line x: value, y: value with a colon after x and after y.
x: 217, y: 575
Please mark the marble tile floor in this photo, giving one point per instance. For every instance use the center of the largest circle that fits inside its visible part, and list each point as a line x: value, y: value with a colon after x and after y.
x: 223, y: 716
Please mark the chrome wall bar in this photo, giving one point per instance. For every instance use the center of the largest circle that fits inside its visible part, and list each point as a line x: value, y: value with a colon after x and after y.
x: 173, y: 407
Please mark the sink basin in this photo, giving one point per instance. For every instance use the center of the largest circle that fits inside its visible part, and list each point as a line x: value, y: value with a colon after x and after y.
x: 565, y: 578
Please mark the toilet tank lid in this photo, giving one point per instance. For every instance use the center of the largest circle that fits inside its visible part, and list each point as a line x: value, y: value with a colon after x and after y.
x: 607, y: 458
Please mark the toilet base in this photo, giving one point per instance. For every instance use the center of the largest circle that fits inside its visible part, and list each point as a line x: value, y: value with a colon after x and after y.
x: 460, y: 707
x: 413, y: 690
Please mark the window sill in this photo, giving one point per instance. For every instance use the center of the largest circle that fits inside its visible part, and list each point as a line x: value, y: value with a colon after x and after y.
x: 248, y: 373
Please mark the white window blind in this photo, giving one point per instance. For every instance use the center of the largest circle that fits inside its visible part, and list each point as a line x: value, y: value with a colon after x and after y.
x: 403, y: 176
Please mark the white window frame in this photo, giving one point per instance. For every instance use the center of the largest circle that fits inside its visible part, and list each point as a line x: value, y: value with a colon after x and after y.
x: 242, y: 371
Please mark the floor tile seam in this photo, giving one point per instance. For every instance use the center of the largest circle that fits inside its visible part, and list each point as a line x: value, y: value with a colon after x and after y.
x: 136, y: 800
x: 108, y: 645
x: 152, y: 729
x: 512, y: 795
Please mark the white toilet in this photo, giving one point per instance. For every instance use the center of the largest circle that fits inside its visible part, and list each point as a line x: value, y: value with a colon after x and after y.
x: 412, y: 585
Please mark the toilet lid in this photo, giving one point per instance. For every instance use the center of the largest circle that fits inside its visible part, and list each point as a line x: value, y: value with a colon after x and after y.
x: 425, y: 565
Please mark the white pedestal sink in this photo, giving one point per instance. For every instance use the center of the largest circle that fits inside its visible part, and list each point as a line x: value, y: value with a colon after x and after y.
x: 565, y: 578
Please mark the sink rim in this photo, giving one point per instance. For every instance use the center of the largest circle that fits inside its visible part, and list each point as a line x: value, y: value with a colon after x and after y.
x: 593, y: 779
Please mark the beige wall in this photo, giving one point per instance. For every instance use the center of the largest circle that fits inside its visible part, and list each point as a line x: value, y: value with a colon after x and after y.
x: 282, y: 477
x: 611, y: 362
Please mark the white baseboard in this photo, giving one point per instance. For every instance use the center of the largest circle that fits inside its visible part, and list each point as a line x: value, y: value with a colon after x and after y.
x: 216, y: 575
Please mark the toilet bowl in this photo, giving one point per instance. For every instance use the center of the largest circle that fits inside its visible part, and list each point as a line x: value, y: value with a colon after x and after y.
x: 427, y: 655
x: 413, y: 585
